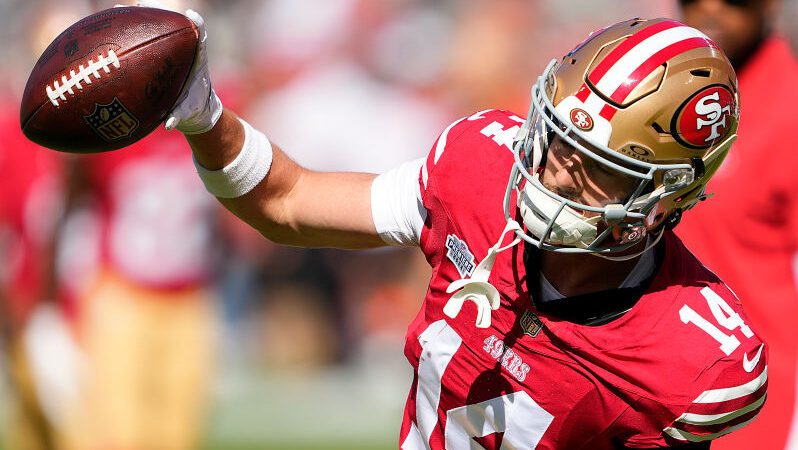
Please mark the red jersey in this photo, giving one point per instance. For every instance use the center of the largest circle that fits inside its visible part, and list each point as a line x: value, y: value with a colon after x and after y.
x: 681, y: 365
x: 154, y: 217
x: 30, y: 202
x: 748, y: 232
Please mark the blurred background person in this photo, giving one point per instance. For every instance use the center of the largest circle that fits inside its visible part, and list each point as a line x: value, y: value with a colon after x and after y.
x: 144, y: 298
x: 30, y: 319
x: 748, y: 233
x: 39, y: 353
x: 483, y: 67
x: 355, y: 55
x: 363, y: 58
x: 788, y: 21
x: 137, y: 260
x: 133, y: 261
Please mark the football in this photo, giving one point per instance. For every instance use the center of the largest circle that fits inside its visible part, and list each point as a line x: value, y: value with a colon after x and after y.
x: 108, y: 80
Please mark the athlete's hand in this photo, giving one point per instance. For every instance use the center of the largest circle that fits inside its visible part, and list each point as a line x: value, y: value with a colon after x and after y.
x: 198, y: 108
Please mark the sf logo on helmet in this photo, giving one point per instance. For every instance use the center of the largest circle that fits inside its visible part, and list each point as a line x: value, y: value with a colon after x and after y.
x: 711, y: 113
x: 581, y: 119
x: 704, y: 118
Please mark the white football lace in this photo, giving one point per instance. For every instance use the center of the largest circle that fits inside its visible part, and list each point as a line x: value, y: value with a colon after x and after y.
x: 58, y: 91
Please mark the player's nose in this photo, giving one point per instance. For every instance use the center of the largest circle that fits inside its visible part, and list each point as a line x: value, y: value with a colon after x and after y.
x: 567, y: 179
x: 571, y: 166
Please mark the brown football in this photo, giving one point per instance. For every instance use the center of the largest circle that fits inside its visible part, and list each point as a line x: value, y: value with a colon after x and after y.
x: 108, y: 80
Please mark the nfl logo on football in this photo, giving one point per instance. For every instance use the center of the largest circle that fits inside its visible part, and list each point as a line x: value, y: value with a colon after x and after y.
x: 112, y: 121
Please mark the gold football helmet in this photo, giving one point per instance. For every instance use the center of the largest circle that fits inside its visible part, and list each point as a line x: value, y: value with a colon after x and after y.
x: 653, y: 102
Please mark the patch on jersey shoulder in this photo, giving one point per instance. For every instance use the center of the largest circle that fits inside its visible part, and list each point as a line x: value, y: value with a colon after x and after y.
x: 530, y: 323
x: 459, y: 254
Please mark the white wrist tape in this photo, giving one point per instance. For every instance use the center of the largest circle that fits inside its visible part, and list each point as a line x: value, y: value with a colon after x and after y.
x: 245, y: 172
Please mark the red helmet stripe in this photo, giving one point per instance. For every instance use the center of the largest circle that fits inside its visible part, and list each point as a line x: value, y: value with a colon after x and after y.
x: 628, y: 64
x: 628, y: 44
x: 608, y: 111
x: 583, y: 93
x: 656, y: 60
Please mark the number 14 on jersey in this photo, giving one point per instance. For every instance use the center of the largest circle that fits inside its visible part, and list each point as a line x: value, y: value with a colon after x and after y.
x: 724, y: 315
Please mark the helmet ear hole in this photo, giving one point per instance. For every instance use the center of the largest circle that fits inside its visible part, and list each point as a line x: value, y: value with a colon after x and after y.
x: 704, y: 72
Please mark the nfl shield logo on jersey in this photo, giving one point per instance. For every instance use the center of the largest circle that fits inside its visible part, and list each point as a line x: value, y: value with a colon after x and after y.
x: 459, y: 254
x: 530, y: 323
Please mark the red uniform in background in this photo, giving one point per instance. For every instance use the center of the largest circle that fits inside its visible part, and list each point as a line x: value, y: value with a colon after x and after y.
x: 31, y: 202
x: 144, y: 296
x: 748, y: 232
x: 153, y: 212
x: 681, y: 365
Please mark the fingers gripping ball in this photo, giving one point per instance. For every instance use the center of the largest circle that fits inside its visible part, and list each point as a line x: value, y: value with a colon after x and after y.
x: 109, y: 79
x: 199, y: 108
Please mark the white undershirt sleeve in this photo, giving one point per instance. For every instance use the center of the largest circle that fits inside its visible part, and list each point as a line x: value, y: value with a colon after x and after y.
x: 396, y: 205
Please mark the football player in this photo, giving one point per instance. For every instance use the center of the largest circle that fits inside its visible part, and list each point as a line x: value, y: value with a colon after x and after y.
x: 562, y: 311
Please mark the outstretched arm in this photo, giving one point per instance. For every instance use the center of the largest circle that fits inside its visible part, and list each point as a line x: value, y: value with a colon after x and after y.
x: 285, y: 202
x: 293, y: 205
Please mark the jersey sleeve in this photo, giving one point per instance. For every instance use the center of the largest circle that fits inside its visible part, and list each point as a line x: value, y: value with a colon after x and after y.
x: 732, y: 401
x: 396, y: 205
x: 435, y: 154
x: 733, y: 389
x: 465, y: 129
x: 398, y: 196
x: 713, y: 364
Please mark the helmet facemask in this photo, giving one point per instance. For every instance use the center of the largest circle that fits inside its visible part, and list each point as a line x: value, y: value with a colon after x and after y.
x: 642, y: 113
x: 607, y: 210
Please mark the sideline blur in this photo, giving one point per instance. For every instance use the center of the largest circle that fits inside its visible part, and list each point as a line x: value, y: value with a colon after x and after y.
x: 310, y: 341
